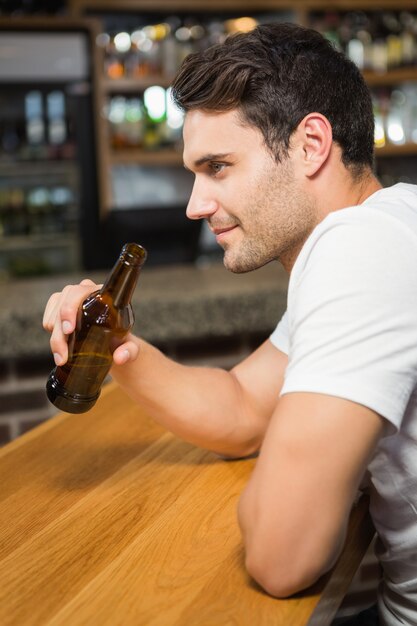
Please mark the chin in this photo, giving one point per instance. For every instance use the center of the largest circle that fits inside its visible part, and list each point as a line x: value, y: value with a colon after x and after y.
x: 238, y: 266
x: 243, y: 264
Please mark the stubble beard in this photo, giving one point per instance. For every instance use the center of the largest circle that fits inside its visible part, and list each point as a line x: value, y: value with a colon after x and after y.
x: 247, y: 259
x: 280, y: 217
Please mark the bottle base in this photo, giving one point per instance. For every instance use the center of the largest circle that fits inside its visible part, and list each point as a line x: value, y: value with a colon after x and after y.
x: 65, y: 401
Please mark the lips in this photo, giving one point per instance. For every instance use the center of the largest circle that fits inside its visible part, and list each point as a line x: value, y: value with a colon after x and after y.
x: 217, y: 230
x: 221, y: 233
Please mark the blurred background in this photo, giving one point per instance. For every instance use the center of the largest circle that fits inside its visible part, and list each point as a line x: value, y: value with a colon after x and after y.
x: 91, y: 157
x: 90, y: 143
x: 91, y: 146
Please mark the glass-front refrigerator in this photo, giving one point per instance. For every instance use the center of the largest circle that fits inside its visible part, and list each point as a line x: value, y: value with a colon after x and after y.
x: 48, y: 164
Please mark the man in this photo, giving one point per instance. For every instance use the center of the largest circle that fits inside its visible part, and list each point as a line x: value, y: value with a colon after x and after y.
x: 279, y: 134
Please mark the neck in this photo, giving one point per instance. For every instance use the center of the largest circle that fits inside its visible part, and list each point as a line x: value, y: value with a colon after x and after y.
x: 362, y: 189
x: 341, y: 192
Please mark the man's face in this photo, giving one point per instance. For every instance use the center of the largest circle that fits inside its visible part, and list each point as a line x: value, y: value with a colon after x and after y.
x: 256, y: 207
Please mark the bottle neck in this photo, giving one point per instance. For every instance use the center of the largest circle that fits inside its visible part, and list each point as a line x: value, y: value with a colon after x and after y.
x: 121, y: 282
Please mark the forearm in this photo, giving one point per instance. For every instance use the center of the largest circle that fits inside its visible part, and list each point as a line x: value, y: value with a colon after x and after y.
x: 205, y: 406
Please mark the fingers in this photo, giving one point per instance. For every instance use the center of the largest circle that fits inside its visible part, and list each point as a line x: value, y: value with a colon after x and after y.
x: 59, y: 346
x: 60, y: 316
x: 66, y: 303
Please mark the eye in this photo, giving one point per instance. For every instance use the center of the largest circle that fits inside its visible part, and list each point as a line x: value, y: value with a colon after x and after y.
x: 216, y: 168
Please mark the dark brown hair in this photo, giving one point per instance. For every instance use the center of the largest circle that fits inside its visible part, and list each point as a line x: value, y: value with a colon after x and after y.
x: 275, y: 75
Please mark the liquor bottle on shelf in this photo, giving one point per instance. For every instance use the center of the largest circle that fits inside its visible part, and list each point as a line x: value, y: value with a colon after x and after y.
x: 158, y: 49
x: 374, y: 40
x: 395, y: 114
x: 393, y: 39
x: 185, y: 42
x: 113, y: 65
x: 57, y: 128
x: 379, y: 132
x: 408, y: 38
x: 149, y: 48
x: 174, y: 121
x: 358, y: 43
x: 410, y: 112
x: 331, y: 29
x: 127, y: 122
x: 395, y: 118
x: 154, y: 100
x: 134, y: 61
x: 137, y: 63
x: 35, y: 125
x: 134, y: 122
x: 169, y: 55
x: 116, y: 108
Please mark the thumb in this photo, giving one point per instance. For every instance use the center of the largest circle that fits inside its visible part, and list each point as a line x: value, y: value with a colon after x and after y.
x: 128, y: 351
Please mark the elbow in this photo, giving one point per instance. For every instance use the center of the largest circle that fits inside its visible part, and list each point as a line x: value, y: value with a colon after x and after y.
x: 246, y: 450
x: 285, y: 554
x: 280, y: 579
x: 237, y: 447
x: 282, y: 565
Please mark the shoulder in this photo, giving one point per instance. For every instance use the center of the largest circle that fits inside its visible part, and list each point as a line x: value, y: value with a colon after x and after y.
x: 351, y: 311
x: 358, y: 268
x: 360, y: 243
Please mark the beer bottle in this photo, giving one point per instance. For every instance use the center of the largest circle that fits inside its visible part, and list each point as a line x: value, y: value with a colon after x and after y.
x: 103, y: 321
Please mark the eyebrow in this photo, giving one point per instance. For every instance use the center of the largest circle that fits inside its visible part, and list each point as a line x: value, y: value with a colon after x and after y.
x: 209, y: 157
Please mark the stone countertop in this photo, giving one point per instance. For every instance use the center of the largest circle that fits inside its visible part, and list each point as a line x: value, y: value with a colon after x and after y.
x: 172, y: 303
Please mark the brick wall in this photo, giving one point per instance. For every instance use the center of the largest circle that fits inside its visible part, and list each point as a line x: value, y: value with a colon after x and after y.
x: 23, y: 402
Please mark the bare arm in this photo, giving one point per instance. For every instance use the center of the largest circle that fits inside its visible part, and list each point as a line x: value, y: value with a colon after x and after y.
x: 294, y: 510
x: 227, y: 412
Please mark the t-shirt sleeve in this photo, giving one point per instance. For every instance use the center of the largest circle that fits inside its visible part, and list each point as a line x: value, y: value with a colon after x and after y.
x: 279, y: 337
x: 352, y: 316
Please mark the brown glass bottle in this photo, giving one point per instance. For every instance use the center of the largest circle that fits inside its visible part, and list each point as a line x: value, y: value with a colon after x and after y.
x: 103, y: 321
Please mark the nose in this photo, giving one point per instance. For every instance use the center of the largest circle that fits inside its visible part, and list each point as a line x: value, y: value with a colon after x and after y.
x: 200, y: 205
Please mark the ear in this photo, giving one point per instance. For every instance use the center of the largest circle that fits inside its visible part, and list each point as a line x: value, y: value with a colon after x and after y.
x: 315, y: 140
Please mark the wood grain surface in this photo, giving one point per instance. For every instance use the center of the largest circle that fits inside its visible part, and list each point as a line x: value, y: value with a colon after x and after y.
x: 106, y: 519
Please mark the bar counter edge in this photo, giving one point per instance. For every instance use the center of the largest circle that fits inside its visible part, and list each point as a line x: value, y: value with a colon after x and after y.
x: 171, y: 303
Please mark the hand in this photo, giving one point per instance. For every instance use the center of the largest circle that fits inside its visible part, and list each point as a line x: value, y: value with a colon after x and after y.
x: 60, y: 318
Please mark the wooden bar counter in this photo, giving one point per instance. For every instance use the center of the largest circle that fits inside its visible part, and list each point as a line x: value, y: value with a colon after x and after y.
x: 107, y: 519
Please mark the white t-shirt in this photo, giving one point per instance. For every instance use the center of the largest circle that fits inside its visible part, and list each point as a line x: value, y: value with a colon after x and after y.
x: 350, y: 331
